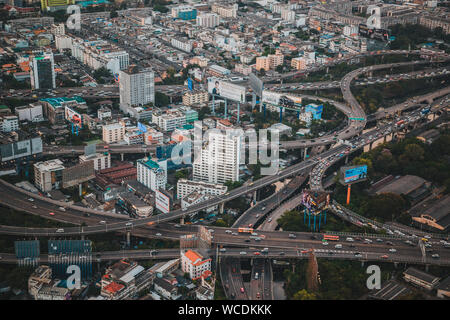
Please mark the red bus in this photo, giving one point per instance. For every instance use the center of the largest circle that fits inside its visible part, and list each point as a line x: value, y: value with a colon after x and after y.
x: 330, y: 237
x: 245, y: 230
x: 400, y: 122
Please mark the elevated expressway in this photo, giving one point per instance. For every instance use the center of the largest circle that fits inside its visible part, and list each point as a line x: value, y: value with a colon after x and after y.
x: 355, y: 127
x: 279, y: 241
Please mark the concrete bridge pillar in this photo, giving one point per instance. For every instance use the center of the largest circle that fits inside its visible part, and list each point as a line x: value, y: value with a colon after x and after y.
x: 255, y: 195
x: 396, y: 264
x: 222, y: 207
x: 82, y: 237
x: 182, y: 220
x: 346, y: 159
x: 305, y: 154
x: 362, y: 263
x: 128, y: 238
x: 427, y: 266
x: 121, y: 156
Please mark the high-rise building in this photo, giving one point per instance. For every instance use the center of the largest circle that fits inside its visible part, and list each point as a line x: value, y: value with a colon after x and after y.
x: 113, y: 132
x: 152, y: 174
x: 101, y: 160
x: 48, y: 174
x: 219, y: 158
x: 42, y: 71
x: 209, y: 20
x: 137, y: 87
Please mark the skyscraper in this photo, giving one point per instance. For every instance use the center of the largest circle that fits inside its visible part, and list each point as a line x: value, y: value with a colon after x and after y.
x: 219, y: 158
x: 42, y: 71
x: 137, y: 87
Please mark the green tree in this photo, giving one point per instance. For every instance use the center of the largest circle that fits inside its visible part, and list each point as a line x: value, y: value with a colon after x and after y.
x: 304, y: 295
x: 161, y: 100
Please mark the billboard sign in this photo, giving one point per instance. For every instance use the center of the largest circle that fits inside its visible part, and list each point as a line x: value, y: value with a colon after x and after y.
x: 141, y: 127
x: 77, y: 174
x: 256, y: 84
x: 315, y: 201
x: 15, y: 150
x: 90, y: 149
x: 280, y: 99
x: 73, y: 116
x: 190, y: 84
x: 162, y: 202
x: 226, y: 90
x: 353, y: 174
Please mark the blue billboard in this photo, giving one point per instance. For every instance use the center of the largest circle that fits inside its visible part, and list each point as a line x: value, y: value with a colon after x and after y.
x: 315, y: 109
x: 142, y: 128
x: 190, y: 84
x: 354, y: 173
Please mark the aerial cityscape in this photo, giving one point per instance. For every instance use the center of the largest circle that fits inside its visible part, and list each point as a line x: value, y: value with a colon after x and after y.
x: 228, y: 150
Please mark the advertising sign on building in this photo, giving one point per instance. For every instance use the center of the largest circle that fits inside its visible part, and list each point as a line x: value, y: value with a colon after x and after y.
x: 226, y: 90
x: 256, y: 84
x: 162, y: 201
x: 353, y: 174
x: 277, y: 99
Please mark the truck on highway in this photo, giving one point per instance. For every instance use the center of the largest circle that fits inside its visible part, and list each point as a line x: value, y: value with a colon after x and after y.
x: 245, y: 230
x: 425, y: 110
x: 265, y: 250
x: 399, y: 123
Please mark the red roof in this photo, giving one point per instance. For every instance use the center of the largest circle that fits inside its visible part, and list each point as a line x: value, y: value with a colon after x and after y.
x: 114, y: 287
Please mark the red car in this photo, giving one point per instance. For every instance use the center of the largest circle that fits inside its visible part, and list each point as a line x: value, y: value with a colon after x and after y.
x: 242, y: 290
x: 385, y: 256
x: 52, y: 213
x: 257, y: 253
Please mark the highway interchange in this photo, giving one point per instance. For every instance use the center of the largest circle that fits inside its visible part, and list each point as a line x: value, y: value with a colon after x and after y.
x: 371, y: 247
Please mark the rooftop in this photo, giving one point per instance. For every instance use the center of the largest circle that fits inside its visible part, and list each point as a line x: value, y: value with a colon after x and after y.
x: 419, y: 274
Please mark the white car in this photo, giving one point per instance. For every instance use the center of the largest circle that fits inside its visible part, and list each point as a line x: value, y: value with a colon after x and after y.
x: 392, y: 250
x: 159, y: 234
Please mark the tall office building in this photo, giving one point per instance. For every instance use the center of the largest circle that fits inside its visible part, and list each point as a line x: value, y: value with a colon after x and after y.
x: 219, y: 158
x: 137, y: 87
x: 42, y: 71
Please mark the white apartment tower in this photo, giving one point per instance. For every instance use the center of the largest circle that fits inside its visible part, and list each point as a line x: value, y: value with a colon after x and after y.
x: 137, y: 87
x: 218, y: 159
x: 209, y: 20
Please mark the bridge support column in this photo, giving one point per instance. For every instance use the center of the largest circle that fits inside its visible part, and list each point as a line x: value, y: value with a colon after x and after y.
x: 396, y: 264
x: 225, y: 116
x: 128, y: 238
x: 182, y: 220
x: 82, y: 237
x: 305, y: 153
x: 255, y: 194
x: 222, y: 207
x: 121, y: 156
x: 362, y: 263
x: 427, y: 266
x: 80, y: 189
x: 238, y: 116
x: 346, y: 159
